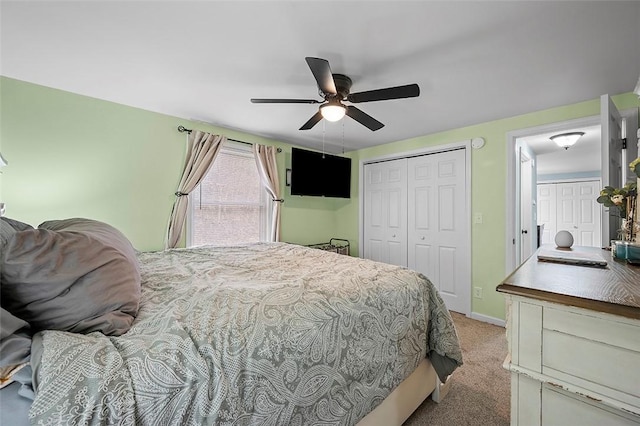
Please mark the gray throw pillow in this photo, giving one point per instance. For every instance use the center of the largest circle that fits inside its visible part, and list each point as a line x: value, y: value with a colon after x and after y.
x: 15, y: 340
x: 8, y: 227
x: 15, y: 346
x: 16, y: 224
x: 76, y: 275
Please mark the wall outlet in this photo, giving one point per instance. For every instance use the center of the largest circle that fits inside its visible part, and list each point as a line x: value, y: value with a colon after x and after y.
x: 477, y: 292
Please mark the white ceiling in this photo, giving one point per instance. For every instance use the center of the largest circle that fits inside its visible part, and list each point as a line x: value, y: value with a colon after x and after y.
x: 474, y: 61
x: 584, y: 156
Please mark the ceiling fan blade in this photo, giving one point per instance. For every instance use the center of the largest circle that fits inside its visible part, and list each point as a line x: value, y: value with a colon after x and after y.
x: 312, y: 121
x: 398, y: 92
x: 364, y: 118
x: 284, y: 101
x: 322, y: 73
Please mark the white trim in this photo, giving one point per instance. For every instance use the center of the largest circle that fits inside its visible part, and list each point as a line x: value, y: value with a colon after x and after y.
x: 513, y: 172
x: 487, y: 319
x: 569, y: 180
x: 417, y: 152
x: 466, y: 145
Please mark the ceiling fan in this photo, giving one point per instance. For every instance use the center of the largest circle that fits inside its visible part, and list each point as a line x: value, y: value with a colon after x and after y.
x: 334, y: 88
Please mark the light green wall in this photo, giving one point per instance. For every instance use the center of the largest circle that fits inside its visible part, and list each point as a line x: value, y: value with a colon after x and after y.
x: 75, y: 156
x: 71, y: 155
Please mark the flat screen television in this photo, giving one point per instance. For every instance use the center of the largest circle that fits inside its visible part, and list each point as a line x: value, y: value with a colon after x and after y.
x: 321, y: 175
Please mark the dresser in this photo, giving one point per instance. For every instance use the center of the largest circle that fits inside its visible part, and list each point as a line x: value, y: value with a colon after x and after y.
x: 574, y: 343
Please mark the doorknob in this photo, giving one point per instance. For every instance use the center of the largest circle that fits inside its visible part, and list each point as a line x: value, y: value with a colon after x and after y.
x: 393, y: 236
x: 422, y: 238
x: 524, y: 231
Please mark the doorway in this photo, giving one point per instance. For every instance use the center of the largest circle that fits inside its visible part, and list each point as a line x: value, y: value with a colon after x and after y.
x: 513, y: 241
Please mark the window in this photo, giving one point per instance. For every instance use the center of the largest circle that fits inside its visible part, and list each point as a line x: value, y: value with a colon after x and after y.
x: 230, y: 205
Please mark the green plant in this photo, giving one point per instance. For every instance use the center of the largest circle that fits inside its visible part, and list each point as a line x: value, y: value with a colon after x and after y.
x: 635, y: 166
x: 618, y: 197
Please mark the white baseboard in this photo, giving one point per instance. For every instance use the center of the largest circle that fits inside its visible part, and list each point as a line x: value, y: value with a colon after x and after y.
x: 486, y: 318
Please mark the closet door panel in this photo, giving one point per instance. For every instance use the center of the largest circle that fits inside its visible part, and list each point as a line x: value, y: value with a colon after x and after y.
x: 385, y: 212
x: 447, y: 208
x: 437, y: 199
x: 448, y: 264
x: 421, y: 208
x: 395, y: 219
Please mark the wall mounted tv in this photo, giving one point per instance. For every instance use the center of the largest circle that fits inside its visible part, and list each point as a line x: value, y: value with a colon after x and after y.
x: 318, y: 174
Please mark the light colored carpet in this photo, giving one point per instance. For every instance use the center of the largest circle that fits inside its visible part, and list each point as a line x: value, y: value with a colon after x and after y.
x: 480, y: 392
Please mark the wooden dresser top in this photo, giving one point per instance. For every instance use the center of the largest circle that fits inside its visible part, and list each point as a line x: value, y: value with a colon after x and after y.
x: 614, y: 289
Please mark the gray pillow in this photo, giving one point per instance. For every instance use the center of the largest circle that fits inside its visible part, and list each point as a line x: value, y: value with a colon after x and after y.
x: 16, y: 224
x: 15, y: 345
x: 8, y: 227
x: 6, y: 233
x: 76, y: 275
x: 15, y: 340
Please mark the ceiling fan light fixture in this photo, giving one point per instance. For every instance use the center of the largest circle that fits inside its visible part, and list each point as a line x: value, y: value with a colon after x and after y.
x: 332, y: 111
x: 566, y: 140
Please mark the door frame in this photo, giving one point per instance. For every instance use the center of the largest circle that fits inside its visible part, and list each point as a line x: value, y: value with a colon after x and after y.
x: 512, y: 239
x: 464, y: 144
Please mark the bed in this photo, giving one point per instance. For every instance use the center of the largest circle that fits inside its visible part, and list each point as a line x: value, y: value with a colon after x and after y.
x: 267, y: 333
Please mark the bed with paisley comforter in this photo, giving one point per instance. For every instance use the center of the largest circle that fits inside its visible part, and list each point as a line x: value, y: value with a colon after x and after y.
x: 267, y: 333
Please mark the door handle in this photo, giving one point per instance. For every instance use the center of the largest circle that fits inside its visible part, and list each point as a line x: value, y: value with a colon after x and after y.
x: 524, y: 231
x: 422, y: 238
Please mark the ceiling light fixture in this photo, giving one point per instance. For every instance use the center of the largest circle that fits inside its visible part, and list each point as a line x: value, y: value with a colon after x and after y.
x: 333, y: 111
x: 565, y: 140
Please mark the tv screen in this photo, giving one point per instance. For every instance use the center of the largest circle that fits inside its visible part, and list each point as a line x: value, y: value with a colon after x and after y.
x: 321, y: 175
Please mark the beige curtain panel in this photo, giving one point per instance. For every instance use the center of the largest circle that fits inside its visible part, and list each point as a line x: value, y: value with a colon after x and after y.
x: 202, y: 149
x: 268, y: 170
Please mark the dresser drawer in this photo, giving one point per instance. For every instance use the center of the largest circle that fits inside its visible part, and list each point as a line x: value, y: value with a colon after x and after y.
x: 598, y: 353
x: 562, y: 408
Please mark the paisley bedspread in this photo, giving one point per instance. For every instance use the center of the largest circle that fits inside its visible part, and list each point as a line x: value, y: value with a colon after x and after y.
x: 268, y: 334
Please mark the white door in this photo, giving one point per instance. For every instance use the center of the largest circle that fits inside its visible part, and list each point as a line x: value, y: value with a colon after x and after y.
x: 527, y: 223
x: 547, y: 212
x: 437, y: 225
x: 579, y: 213
x: 385, y: 212
x: 571, y: 206
x: 588, y: 217
x: 611, y: 160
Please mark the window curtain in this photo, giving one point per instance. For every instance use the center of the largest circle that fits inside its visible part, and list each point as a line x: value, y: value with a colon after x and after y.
x: 268, y: 170
x: 202, y: 149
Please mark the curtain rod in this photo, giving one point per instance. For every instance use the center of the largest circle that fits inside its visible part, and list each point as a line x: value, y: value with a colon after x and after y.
x: 183, y: 129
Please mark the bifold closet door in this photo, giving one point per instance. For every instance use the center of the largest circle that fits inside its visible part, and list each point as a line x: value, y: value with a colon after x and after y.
x: 385, y: 212
x: 437, y: 224
x: 579, y: 213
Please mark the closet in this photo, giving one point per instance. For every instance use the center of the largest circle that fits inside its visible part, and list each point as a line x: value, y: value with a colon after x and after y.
x: 415, y: 215
x: 570, y: 206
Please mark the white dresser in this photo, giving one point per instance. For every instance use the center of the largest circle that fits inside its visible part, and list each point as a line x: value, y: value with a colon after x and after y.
x: 574, y: 343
